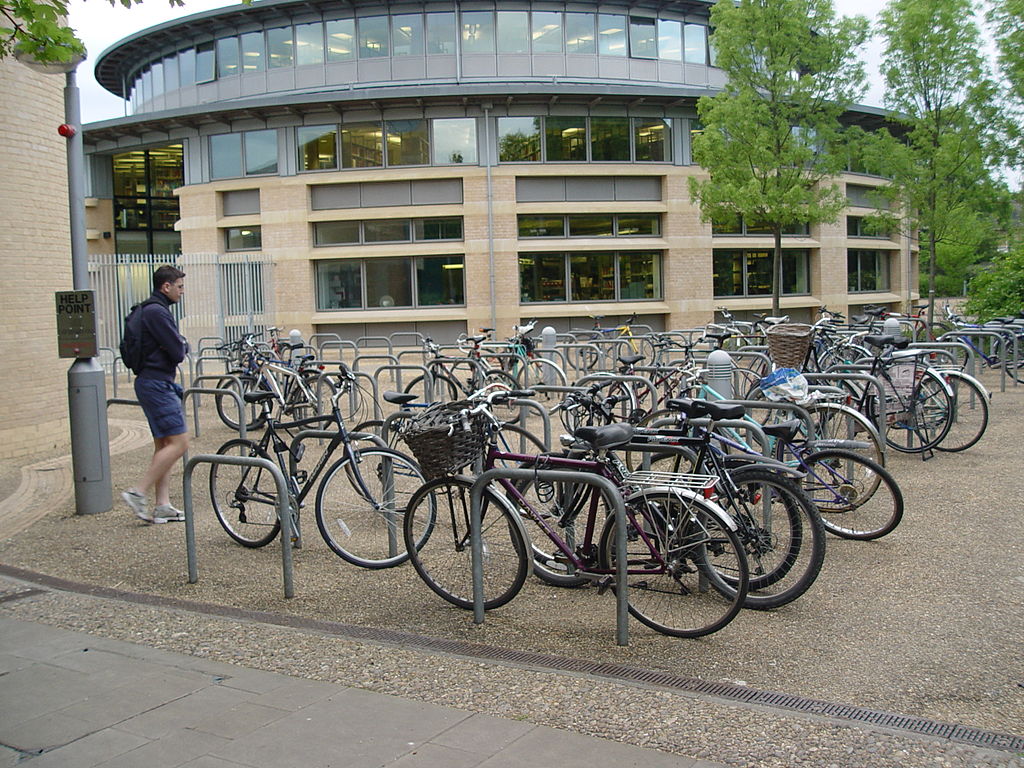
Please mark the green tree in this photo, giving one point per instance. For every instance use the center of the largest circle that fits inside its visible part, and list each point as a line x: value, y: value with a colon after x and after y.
x: 36, y: 28
x: 1007, y: 20
x: 941, y: 96
x: 999, y: 290
x: 772, y: 137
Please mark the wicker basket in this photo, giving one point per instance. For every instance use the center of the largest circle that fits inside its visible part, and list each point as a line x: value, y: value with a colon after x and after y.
x: 788, y: 344
x: 442, y: 442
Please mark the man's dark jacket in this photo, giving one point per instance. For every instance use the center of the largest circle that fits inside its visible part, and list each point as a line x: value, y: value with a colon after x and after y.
x: 162, y: 345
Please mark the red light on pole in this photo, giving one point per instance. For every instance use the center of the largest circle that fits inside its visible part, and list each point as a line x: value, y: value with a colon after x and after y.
x: 67, y: 130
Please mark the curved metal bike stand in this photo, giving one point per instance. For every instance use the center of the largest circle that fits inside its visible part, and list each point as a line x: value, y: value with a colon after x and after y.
x: 545, y: 417
x: 982, y: 334
x: 612, y: 496
x: 283, y: 511
x: 221, y: 391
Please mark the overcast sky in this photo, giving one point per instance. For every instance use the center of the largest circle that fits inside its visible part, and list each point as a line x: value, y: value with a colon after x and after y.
x: 101, y: 25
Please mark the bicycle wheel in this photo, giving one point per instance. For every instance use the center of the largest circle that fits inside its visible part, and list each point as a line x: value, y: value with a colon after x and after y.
x: 970, y: 412
x: 227, y: 407
x: 687, y: 573
x: 244, y: 497
x: 840, y: 426
x: 436, y: 532
x: 856, y: 497
x: 923, y: 418
x: 366, y: 530
x: 445, y: 388
x: 781, y: 531
x: 539, y: 372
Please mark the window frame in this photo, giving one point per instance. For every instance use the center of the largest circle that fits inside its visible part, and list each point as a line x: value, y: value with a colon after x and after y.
x: 412, y: 266
x: 746, y: 271
x: 617, y: 256
x: 257, y: 230
x: 412, y: 225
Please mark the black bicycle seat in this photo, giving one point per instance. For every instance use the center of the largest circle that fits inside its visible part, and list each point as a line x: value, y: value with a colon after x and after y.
x: 630, y: 359
x: 257, y: 396
x: 606, y: 436
x: 400, y: 398
x: 881, y: 341
x: 784, y: 430
x: 695, y: 409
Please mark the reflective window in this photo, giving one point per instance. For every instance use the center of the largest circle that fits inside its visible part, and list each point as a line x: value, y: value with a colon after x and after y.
x: 513, y: 32
x: 145, y: 208
x: 441, y: 33
x: 253, y: 52
x: 187, y: 66
x: 477, y: 32
x: 639, y: 275
x: 579, y: 33
x: 541, y: 225
x: 387, y: 231
x: 739, y: 225
x: 749, y: 272
x: 440, y: 281
x: 859, y: 226
x: 280, y: 47
x: 638, y: 225
x: 611, y: 34
x: 341, y: 39
x: 388, y: 283
x: 407, y: 34
x: 542, y: 277
x: 158, y: 78
x: 592, y: 276
x: 670, y: 40
x: 591, y: 225
x: 519, y: 139
x: 309, y: 44
x: 609, y: 139
x: 373, y: 37
x: 867, y: 270
x: 407, y: 142
x: 339, y: 285
x: 362, y: 145
x: 643, y: 39
x: 454, y: 141
x: 547, y: 32
x: 243, y: 239
x: 652, y: 138
x: 318, y: 147
x: 227, y: 57
x: 441, y: 228
x: 171, y: 73
x: 260, y: 152
x: 226, y: 156
x: 565, y: 139
x: 205, y: 58
x: 695, y: 40
x: 336, y: 233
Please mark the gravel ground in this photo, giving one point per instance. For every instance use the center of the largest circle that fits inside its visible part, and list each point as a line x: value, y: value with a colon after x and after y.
x: 924, y: 622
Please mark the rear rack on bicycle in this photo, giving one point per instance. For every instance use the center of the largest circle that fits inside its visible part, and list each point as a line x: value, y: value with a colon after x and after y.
x: 692, y: 482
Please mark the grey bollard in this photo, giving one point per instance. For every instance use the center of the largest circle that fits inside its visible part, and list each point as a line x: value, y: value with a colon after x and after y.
x: 549, y: 340
x: 719, y: 373
x: 891, y: 326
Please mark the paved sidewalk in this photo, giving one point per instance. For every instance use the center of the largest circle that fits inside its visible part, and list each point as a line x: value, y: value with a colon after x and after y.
x: 73, y: 700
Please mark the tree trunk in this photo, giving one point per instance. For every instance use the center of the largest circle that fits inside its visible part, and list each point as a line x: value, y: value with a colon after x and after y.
x: 777, y: 271
x: 932, y: 248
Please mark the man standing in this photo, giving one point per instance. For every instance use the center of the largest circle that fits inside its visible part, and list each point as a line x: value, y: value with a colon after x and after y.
x: 161, y: 398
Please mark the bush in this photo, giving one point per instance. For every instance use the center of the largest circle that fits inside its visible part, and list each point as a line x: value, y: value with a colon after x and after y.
x: 1000, y: 289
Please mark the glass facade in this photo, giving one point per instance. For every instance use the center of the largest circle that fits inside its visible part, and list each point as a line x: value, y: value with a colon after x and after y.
x: 867, y: 270
x: 738, y: 225
x: 590, y: 225
x: 243, y: 154
x: 589, y: 276
x: 401, y: 282
x: 387, y: 231
x: 584, y: 139
x: 145, y: 208
x: 749, y: 272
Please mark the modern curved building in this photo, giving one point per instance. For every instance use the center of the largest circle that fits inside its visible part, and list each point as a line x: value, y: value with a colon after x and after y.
x: 438, y: 166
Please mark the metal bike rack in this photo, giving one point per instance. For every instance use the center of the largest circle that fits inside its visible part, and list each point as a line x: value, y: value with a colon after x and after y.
x: 363, y: 342
x: 572, y: 359
x: 397, y: 369
x: 612, y: 496
x: 618, y: 377
x: 377, y: 413
x: 390, y: 358
x: 545, y: 417
x: 949, y: 349
x: 340, y: 345
x: 235, y: 392
x: 842, y: 373
x: 1001, y: 349
x: 283, y: 511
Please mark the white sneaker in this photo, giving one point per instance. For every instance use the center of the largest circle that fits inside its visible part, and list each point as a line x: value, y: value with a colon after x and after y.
x: 169, y: 514
x: 138, y: 504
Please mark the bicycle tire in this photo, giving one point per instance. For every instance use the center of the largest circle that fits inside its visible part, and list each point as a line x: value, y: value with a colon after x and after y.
x: 244, y: 498
x: 840, y: 424
x: 367, y: 531
x: 782, y: 535
x: 227, y: 408
x: 695, y: 582
x: 538, y: 372
x: 856, y: 497
x: 970, y: 413
x: 436, y: 532
x: 926, y: 421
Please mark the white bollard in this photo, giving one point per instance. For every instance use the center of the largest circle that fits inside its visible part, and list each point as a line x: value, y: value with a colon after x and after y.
x: 719, y: 373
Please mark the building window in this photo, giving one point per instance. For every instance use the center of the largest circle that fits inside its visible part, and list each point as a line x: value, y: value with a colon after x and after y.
x: 205, y: 61
x: 453, y: 141
x: 590, y: 225
x: 373, y: 37
x: 280, y: 47
x: 253, y: 52
x: 695, y: 41
x: 590, y: 276
x: 547, y: 31
x: 362, y: 145
x: 407, y: 34
x: 403, y: 282
x: 145, y: 208
x: 565, y: 139
x: 519, y: 139
x: 243, y: 154
x: 739, y: 225
x: 318, y: 147
x: 867, y: 270
x: 478, y: 32
x: 609, y: 139
x: 651, y: 140
x: 407, y: 142
x: 582, y: 139
x: 670, y: 40
x: 441, y: 33
x: 859, y: 226
x: 643, y: 39
x: 309, y: 44
x: 243, y: 239
x: 749, y: 272
x: 387, y: 231
x: 513, y: 32
x: 611, y: 34
x: 579, y: 33
x: 341, y: 39
x: 227, y: 57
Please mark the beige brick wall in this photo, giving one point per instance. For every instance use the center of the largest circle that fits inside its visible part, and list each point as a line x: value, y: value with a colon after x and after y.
x: 35, y: 255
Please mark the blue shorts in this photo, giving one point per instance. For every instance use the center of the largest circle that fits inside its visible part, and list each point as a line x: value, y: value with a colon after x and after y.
x: 161, y: 402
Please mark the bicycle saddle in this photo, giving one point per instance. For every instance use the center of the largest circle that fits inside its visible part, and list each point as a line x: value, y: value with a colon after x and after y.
x: 719, y: 335
x: 784, y: 430
x: 400, y: 398
x: 630, y: 359
x: 257, y: 396
x: 476, y: 339
x: 698, y: 408
x: 880, y: 341
x: 607, y: 436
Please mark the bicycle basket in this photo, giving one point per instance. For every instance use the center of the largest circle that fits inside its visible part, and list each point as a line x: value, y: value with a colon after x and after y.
x: 788, y: 344
x: 442, y: 442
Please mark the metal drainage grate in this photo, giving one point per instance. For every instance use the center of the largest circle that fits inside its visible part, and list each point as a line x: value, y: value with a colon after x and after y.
x: 618, y: 672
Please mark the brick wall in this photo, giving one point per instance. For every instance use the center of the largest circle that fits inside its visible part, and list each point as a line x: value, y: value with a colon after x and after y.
x: 35, y: 254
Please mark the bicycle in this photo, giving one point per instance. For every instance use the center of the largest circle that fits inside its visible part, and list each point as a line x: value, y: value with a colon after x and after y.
x: 359, y: 501
x: 686, y: 568
x: 448, y: 373
x: 988, y: 360
x: 623, y: 334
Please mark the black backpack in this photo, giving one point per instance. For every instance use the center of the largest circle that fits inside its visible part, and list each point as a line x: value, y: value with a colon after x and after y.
x: 131, y: 342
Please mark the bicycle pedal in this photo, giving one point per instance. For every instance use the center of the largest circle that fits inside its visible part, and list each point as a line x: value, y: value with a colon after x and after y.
x: 604, y: 584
